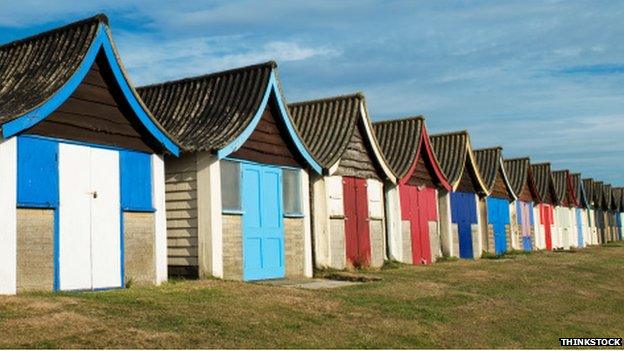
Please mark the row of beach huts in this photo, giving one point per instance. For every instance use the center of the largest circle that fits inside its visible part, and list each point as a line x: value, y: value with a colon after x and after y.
x: 102, y: 184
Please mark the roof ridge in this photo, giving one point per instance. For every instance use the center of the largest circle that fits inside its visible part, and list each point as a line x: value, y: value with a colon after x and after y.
x: 411, y: 118
x: 518, y: 159
x: 270, y: 63
x: 498, y: 147
x: 463, y: 131
x: 357, y: 94
x: 100, y: 17
x: 541, y: 164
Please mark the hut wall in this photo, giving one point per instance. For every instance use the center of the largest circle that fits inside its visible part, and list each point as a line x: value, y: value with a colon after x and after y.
x: 376, y: 212
x: 399, y: 239
x: 35, y: 249
x: 448, y: 230
x: 356, y: 160
x: 268, y: 143
x: 182, y: 215
x: 328, y: 222
x: 139, y: 247
x: 8, y: 216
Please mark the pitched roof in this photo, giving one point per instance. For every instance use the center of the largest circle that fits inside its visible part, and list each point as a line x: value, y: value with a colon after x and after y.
x: 401, y: 142
x: 34, y: 68
x: 606, y: 196
x: 326, y: 125
x: 578, y: 190
x: 40, y: 72
x: 453, y: 151
x: 598, y: 193
x: 543, y: 179
x: 616, y: 198
x: 588, y: 186
x: 206, y: 113
x: 518, y: 172
x: 560, y: 180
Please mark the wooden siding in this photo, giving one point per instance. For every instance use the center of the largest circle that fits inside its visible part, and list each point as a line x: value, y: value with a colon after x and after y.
x: 97, y: 113
x: 356, y: 160
x: 467, y: 183
x: 526, y: 195
x: 181, y: 205
x: 268, y: 144
x: 499, y: 189
x: 422, y: 175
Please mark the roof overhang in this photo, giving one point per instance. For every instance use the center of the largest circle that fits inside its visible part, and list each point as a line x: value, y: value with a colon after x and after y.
x: 501, y: 165
x: 425, y: 145
x: 368, y: 128
x: 101, y: 43
x: 472, y: 161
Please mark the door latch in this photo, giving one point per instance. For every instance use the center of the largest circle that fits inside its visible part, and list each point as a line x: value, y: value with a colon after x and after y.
x: 93, y: 193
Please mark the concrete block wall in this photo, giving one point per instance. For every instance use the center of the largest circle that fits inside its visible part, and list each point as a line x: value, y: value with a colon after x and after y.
x: 35, y: 249
x: 378, y: 243
x: 139, y: 250
x: 232, y: 246
x: 294, y: 246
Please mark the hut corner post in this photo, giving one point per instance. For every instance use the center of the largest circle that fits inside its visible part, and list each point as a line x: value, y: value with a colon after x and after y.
x: 8, y: 210
x: 160, y: 218
x: 209, y: 220
x: 446, y: 226
x: 308, y: 269
x: 393, y: 222
x: 321, y: 220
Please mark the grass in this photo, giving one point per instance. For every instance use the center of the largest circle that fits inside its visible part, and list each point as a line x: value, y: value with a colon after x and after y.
x: 525, y: 302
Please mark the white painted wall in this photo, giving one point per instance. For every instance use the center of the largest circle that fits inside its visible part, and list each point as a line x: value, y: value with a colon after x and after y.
x: 540, y: 235
x: 477, y: 231
x: 209, y: 220
x: 160, y: 218
x: 320, y: 218
x: 8, y: 227
x: 307, y: 230
x: 447, y: 239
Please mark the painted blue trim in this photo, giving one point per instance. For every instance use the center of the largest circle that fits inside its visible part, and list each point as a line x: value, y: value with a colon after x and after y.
x: 37, y: 172
x: 56, y: 253
x: 36, y: 205
x: 138, y: 209
x: 294, y: 215
x: 242, y: 137
x: 80, y: 143
x: 122, y: 255
x: 101, y: 41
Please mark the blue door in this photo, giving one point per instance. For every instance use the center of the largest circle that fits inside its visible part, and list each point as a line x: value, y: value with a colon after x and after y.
x: 464, y: 214
x: 498, y: 217
x: 579, y: 227
x: 263, y: 228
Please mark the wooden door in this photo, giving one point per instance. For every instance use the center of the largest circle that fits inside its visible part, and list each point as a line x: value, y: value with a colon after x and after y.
x: 547, y: 219
x: 418, y: 206
x: 498, y: 217
x: 524, y: 211
x: 357, y: 229
x: 263, y: 228
x: 464, y: 214
x: 89, y: 218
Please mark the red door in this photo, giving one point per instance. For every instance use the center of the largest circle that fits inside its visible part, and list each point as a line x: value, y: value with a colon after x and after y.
x: 547, y: 219
x: 357, y: 231
x: 418, y: 206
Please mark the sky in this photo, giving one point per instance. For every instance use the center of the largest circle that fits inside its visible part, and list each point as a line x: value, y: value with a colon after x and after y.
x: 543, y: 79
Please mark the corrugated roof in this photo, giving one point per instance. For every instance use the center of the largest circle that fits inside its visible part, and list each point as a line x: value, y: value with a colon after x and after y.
x: 399, y: 141
x: 543, y: 179
x: 578, y: 190
x: 327, y: 125
x: 488, y: 161
x: 588, y: 186
x: 518, y: 172
x: 560, y: 179
x: 206, y: 113
x: 598, y: 191
x: 606, y: 196
x: 34, y: 68
x: 452, y: 150
x: 616, y: 196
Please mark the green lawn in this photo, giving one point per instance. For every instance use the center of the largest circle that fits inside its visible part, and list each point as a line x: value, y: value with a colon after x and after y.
x: 519, y: 302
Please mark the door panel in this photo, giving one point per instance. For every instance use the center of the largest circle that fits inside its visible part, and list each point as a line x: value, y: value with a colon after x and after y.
x: 546, y: 217
x: 418, y: 206
x: 498, y: 217
x: 526, y: 212
x: 464, y: 214
x: 74, y: 218
x: 105, y: 221
x: 263, y: 229
x: 357, y: 228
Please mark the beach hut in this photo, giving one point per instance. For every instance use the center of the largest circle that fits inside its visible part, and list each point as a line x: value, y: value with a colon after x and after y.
x: 523, y: 212
x: 82, y: 179
x: 459, y: 209
x: 608, y: 212
x: 348, y: 196
x: 599, y: 212
x: 580, y: 211
x: 412, y: 204
x: 497, y: 226
x: 237, y: 198
x: 588, y: 186
x: 616, y: 208
x: 564, y: 212
x: 545, y: 188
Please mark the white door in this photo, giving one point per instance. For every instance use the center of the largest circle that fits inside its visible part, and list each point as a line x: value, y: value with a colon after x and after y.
x: 89, y: 223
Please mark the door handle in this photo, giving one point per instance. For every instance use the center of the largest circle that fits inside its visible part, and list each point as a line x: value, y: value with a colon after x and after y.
x: 93, y: 193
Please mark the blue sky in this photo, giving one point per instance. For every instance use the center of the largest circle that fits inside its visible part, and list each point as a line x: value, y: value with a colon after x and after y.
x: 543, y: 79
